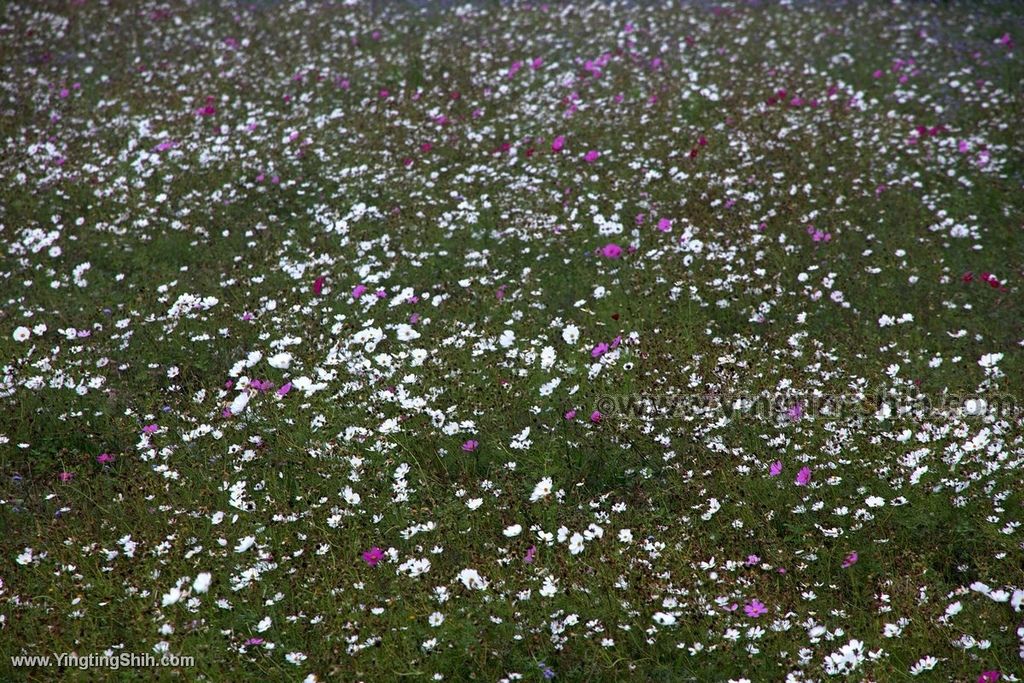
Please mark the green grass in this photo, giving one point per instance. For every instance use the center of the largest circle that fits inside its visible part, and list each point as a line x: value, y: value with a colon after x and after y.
x: 305, y: 171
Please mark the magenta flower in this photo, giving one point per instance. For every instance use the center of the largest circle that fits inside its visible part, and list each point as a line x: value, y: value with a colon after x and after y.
x: 358, y: 291
x: 599, y: 350
x: 596, y: 416
x: 752, y: 560
x: 470, y: 446
x: 795, y: 412
x: 558, y: 143
x: 531, y: 553
x: 989, y: 677
x: 775, y: 469
x: 285, y: 388
x: 104, y: 458
x: 66, y: 476
x: 664, y: 224
x: 570, y: 415
x: 318, y: 285
x: 373, y: 556
x: 254, y: 641
x: 803, y: 477
x: 754, y: 609
x: 591, y: 156
x: 611, y: 251
x: 850, y: 560
x: 150, y: 429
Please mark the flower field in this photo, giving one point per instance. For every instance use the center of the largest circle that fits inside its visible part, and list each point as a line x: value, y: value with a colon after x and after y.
x: 507, y: 341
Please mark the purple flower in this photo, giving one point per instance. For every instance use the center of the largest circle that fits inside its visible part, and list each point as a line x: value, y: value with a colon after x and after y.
x: 803, y: 477
x: 611, y: 251
x: 470, y: 446
x: 775, y: 469
x: 373, y: 556
x: 754, y: 609
x: 850, y: 560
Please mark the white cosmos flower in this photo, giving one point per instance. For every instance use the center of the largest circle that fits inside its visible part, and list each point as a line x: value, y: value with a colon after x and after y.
x: 202, y: 583
x: 541, y: 490
x: 240, y: 402
x: 472, y: 579
x: 281, y: 361
x: 21, y: 333
x: 513, y: 531
x: 576, y: 544
x: 170, y: 597
x: 405, y: 332
x: 245, y: 544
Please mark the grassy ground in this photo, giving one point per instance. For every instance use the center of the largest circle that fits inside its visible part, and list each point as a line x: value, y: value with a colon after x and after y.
x: 660, y: 342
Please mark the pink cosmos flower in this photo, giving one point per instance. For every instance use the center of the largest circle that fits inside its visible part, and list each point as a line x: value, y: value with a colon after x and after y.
x: 318, y: 285
x: 104, y: 458
x: 599, y: 350
x: 66, y: 476
x: 754, y: 609
x: 570, y: 415
x: 558, y: 143
x: 285, y: 388
x: 254, y: 641
x: 150, y: 429
x: 595, y: 416
x: 358, y: 291
x: 664, y: 224
x: 373, y: 556
x: 591, y: 156
x: 470, y: 446
x: 752, y: 560
x: 850, y: 560
x: 803, y: 477
x: 775, y: 469
x: 989, y: 677
x: 531, y: 553
x: 611, y: 251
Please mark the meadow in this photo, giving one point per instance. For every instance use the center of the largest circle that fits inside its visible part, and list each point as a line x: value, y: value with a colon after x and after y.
x: 512, y: 341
